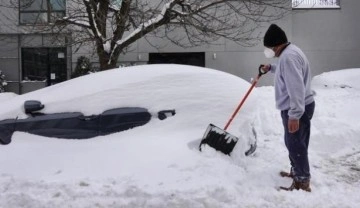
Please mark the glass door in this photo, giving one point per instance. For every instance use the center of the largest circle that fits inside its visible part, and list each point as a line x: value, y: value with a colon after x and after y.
x: 57, y: 65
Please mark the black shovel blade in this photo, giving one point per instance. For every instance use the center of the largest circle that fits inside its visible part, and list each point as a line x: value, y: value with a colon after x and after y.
x: 218, y: 139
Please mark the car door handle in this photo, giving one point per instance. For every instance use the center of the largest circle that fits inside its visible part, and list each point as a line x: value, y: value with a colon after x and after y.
x: 166, y: 113
x: 88, y: 118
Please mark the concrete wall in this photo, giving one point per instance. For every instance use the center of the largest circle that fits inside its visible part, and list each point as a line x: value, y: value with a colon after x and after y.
x: 244, y: 61
x: 10, y: 61
x: 329, y: 37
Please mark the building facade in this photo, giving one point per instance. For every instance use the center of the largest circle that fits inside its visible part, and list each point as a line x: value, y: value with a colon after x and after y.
x: 328, y: 34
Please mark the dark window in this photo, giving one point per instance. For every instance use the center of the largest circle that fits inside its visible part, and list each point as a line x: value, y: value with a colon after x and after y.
x: 44, y: 64
x: 34, y: 64
x: 41, y: 11
x: 195, y: 59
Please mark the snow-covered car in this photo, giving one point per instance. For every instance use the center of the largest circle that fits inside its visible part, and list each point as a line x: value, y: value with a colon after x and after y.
x: 121, y: 99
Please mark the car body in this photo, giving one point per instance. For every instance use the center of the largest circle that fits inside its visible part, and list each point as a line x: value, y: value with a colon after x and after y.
x: 75, y: 125
x: 121, y: 99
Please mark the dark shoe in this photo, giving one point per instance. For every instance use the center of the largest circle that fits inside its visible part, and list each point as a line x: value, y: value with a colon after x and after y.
x: 286, y: 174
x: 298, y: 185
x: 305, y: 186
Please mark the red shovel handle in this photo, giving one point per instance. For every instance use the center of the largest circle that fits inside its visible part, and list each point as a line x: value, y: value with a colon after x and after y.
x: 246, y: 95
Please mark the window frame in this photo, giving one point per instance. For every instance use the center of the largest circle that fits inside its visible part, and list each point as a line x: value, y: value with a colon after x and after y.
x: 314, y: 5
x: 41, y: 65
x: 47, y: 12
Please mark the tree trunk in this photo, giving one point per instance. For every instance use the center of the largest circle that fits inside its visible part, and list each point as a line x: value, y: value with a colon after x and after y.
x: 104, y: 58
x: 104, y: 62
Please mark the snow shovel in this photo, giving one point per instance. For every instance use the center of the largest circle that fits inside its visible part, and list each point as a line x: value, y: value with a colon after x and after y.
x: 218, y: 138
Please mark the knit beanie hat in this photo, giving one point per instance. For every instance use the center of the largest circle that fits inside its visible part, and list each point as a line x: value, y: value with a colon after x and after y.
x: 274, y: 36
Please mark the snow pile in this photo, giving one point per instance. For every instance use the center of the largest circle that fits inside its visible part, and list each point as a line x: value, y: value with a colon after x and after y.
x: 158, y: 165
x: 6, y: 96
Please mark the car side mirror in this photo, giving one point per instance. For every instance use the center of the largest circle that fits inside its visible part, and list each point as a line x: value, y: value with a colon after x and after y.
x: 31, y: 106
x: 166, y: 113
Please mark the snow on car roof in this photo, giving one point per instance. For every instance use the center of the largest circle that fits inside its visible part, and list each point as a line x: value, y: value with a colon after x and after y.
x: 195, y: 92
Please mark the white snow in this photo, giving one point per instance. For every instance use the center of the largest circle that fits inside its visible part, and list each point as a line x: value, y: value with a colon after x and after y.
x: 6, y: 96
x: 77, y: 21
x: 107, y: 46
x: 158, y: 164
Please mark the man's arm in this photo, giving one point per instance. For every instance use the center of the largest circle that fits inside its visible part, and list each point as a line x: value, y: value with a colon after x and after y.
x: 294, y: 82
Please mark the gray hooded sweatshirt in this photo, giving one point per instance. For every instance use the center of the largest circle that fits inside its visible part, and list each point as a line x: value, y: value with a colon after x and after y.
x: 292, y: 82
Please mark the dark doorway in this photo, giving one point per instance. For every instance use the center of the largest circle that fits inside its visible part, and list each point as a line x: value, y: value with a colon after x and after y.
x: 194, y: 59
x: 44, y: 64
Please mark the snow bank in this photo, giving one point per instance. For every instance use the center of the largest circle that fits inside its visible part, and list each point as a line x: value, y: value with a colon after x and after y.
x: 158, y: 165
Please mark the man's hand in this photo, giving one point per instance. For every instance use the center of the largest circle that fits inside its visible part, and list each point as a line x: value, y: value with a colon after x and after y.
x: 293, y: 125
x: 265, y: 68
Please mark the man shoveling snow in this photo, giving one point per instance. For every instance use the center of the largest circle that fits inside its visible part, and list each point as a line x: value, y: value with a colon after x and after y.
x: 294, y: 98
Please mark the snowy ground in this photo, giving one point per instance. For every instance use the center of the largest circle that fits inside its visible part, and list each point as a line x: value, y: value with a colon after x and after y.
x: 158, y: 165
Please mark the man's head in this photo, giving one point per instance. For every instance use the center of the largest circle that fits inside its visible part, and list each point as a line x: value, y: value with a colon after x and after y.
x: 273, y: 39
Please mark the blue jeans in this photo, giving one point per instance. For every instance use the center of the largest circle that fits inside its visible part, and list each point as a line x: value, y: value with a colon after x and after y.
x: 297, y: 143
